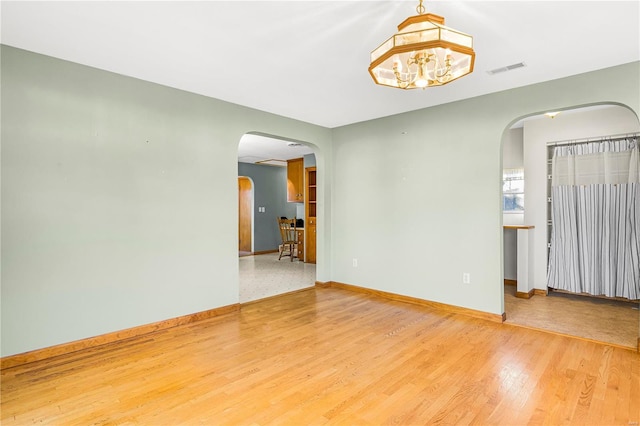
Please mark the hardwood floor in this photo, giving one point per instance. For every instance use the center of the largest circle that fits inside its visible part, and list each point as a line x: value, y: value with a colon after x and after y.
x: 329, y: 356
x: 609, y: 321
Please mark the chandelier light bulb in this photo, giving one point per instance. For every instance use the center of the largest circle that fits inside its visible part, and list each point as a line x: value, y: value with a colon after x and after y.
x: 421, y: 82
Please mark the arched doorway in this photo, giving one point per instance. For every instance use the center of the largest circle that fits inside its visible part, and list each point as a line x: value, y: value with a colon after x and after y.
x: 268, y: 161
x: 533, y: 134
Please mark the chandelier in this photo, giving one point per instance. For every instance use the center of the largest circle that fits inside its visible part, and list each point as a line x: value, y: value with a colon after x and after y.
x: 423, y: 53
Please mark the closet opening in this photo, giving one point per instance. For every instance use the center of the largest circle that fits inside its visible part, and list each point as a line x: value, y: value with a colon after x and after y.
x: 562, y: 307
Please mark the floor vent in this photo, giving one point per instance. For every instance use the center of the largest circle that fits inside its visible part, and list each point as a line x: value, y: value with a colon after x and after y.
x: 507, y: 68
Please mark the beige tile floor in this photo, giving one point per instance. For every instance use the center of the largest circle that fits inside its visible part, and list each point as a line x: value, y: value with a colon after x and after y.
x: 265, y: 276
x: 591, y: 318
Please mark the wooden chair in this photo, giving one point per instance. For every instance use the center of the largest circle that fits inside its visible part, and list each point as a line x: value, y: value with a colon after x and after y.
x: 289, y: 235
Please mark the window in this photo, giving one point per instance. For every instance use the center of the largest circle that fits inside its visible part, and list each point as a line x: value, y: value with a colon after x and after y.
x: 513, y: 190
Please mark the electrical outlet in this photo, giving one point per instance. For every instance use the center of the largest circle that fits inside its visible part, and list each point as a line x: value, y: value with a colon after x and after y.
x: 466, y: 278
x: 355, y: 262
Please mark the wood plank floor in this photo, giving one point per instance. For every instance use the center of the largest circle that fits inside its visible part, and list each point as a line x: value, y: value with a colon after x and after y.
x: 603, y: 320
x: 329, y: 356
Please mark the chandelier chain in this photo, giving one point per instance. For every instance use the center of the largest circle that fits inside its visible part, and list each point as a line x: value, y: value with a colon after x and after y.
x: 420, y: 8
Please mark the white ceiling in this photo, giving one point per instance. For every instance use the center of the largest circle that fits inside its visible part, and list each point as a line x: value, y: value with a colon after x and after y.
x: 308, y: 60
x: 257, y: 148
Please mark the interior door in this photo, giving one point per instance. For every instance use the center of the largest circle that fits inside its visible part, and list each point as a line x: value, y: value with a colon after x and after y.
x: 244, y: 214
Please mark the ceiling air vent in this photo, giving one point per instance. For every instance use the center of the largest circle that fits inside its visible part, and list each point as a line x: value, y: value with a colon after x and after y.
x: 507, y: 68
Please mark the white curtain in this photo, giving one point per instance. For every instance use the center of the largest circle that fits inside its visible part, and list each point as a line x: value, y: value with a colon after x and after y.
x: 595, y: 213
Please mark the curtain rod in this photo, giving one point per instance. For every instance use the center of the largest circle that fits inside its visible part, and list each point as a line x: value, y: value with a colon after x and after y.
x: 595, y: 139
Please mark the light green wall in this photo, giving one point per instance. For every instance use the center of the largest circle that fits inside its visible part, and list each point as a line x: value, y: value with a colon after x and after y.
x: 119, y: 200
x: 417, y: 196
x: 119, y: 197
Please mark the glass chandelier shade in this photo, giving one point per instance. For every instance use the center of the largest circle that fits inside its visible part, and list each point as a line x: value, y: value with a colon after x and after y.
x: 423, y: 53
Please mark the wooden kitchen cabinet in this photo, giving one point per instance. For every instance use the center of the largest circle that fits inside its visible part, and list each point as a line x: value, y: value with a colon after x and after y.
x: 295, y: 180
x: 310, y: 250
x: 301, y: 245
x: 310, y: 214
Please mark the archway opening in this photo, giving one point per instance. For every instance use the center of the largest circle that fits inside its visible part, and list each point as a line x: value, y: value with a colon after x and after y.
x: 279, y: 169
x: 526, y: 146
